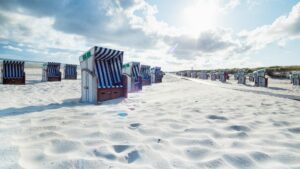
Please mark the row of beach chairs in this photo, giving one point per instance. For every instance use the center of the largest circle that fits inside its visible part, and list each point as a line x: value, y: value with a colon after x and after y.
x: 258, y: 77
x: 103, y: 74
x: 13, y: 72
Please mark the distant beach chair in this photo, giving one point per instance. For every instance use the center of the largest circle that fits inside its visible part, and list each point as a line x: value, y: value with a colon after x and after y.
x: 251, y: 77
x: 156, y: 75
x: 213, y: 75
x: 12, y: 72
x: 70, y: 71
x: 146, y: 75
x: 183, y: 73
x: 260, y: 79
x: 193, y: 74
x: 241, y: 77
x: 188, y: 73
x: 203, y: 75
x: 51, y: 72
x: 223, y: 76
x: 295, y: 78
x: 236, y: 76
x: 101, y: 75
x: 134, y: 82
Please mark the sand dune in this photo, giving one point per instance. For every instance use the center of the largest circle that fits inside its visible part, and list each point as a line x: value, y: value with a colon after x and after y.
x: 177, y: 124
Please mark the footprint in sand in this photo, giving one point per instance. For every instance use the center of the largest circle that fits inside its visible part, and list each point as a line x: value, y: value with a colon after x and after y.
x: 295, y: 130
x: 107, y: 156
x: 239, y: 128
x: 132, y: 156
x: 215, y: 117
x: 120, y: 148
x: 134, y: 125
x: 239, y: 160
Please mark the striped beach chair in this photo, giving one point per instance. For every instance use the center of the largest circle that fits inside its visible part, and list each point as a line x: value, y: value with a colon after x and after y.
x: 101, y: 75
x: 222, y: 76
x: 251, y: 77
x: 241, y: 77
x: 295, y: 78
x: 146, y: 75
x: 51, y: 72
x: 260, y: 79
x: 132, y: 70
x: 70, y: 71
x: 203, y: 75
x: 213, y: 75
x: 156, y: 75
x: 193, y: 74
x: 13, y: 72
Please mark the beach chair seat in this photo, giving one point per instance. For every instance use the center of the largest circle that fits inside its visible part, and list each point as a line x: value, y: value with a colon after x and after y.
x: 13, y: 72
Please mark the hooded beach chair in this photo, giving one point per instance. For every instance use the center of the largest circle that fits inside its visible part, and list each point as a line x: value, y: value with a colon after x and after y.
x: 134, y: 82
x: 183, y: 73
x: 236, y: 76
x: 12, y: 72
x: 156, y: 75
x: 188, y: 73
x: 51, y: 72
x: 146, y: 74
x: 70, y: 71
x: 241, y: 77
x: 260, y: 79
x: 203, y: 75
x: 251, y: 77
x: 223, y: 76
x: 295, y: 78
x: 193, y: 74
x: 101, y: 75
x: 213, y: 76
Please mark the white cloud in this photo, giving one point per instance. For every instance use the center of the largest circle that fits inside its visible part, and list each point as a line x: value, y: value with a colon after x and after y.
x: 284, y: 28
x: 12, y: 48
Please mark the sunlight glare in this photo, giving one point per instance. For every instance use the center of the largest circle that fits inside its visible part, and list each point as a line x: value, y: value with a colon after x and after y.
x: 200, y: 16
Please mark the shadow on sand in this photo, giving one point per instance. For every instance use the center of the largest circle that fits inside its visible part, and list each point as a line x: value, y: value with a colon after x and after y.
x: 52, y: 106
x: 38, y: 108
x: 292, y: 97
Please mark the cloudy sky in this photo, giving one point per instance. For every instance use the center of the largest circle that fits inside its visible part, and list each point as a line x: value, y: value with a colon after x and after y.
x: 174, y: 34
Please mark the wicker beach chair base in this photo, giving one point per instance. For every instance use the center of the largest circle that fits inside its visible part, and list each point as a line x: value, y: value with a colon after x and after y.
x: 70, y: 77
x: 109, y: 94
x: 14, y: 81
x: 53, y: 79
x: 146, y: 82
x: 113, y: 93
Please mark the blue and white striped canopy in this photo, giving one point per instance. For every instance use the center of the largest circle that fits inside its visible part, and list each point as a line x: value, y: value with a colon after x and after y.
x: 13, y: 69
x: 53, y: 69
x: 145, y: 72
x: 135, y: 69
x: 108, y: 63
x: 70, y: 70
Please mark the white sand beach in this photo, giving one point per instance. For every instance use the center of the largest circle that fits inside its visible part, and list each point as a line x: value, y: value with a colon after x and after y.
x: 178, y: 124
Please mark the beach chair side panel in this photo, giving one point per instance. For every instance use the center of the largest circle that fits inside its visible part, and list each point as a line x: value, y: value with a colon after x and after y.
x: 88, y: 82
